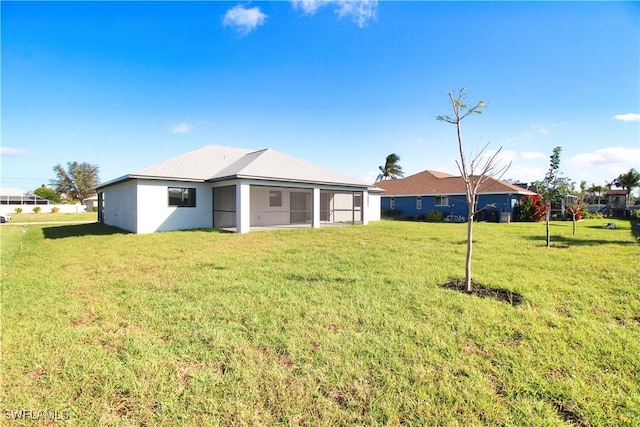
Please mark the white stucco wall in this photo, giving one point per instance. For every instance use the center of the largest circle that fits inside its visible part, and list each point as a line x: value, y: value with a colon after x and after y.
x: 142, y: 206
x: 120, y: 206
x: 373, y: 207
x: 28, y: 209
x: 155, y: 214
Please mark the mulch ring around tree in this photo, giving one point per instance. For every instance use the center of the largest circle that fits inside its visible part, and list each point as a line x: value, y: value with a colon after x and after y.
x: 479, y: 290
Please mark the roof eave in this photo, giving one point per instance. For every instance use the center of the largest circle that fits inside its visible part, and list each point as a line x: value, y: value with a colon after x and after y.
x: 130, y: 177
x: 482, y: 193
x: 291, y: 180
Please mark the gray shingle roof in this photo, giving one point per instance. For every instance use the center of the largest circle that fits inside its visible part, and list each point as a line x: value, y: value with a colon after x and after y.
x: 199, y: 164
x: 273, y: 165
x: 214, y: 163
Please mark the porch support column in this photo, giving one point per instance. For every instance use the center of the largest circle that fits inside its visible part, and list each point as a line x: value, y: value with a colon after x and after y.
x: 100, y: 210
x: 316, y: 208
x: 364, y: 206
x: 243, y: 207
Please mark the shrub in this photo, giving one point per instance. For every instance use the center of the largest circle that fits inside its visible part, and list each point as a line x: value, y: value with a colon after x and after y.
x: 386, y: 213
x: 95, y: 209
x: 37, y: 209
x: 591, y: 215
x: 434, y: 216
x: 18, y: 210
x: 531, y: 208
x: 55, y: 209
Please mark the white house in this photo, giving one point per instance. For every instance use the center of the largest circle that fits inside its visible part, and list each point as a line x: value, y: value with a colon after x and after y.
x: 234, y: 189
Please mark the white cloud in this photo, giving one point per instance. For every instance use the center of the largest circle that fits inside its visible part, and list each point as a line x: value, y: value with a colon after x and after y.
x: 309, y: 6
x: 503, y: 158
x: 517, y: 172
x: 610, y: 157
x: 182, y: 128
x: 528, y: 136
x: 629, y: 117
x: 244, y: 20
x: 9, y: 151
x: 360, y: 11
x: 532, y: 155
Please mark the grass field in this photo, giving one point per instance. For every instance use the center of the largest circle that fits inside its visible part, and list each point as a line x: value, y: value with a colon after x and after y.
x: 336, y: 326
x: 53, y: 217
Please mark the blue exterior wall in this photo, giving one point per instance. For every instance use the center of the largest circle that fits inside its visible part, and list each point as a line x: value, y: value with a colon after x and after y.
x: 406, y: 206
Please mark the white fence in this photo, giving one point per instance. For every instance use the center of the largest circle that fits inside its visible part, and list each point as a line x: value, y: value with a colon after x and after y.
x: 26, y: 209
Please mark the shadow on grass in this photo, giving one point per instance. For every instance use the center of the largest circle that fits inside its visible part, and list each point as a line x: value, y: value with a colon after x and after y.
x: 479, y: 290
x: 635, y: 227
x: 79, y: 230
x: 564, y: 242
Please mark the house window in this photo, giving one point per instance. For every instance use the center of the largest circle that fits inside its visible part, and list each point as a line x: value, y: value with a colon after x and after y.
x: 182, y: 197
x: 357, y: 200
x: 392, y: 203
x: 418, y: 202
x: 442, y: 201
x: 275, y: 199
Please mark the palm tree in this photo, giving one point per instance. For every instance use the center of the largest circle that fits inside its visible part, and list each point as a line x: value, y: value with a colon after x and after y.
x: 391, y: 168
x: 628, y: 181
x: 596, y: 191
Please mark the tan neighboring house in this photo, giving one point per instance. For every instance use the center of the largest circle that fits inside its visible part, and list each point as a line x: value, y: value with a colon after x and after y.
x: 616, y: 203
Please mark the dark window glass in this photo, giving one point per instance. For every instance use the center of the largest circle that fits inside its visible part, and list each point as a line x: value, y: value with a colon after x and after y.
x: 275, y: 199
x: 182, y: 197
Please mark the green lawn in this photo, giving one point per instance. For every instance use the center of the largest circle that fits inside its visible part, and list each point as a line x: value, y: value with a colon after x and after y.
x: 53, y: 217
x: 336, y: 326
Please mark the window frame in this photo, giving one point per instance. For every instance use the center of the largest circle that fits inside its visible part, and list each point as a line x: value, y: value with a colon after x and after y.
x: 188, y: 202
x: 418, y: 203
x: 392, y: 203
x: 275, y: 196
x: 357, y: 200
x: 444, y: 201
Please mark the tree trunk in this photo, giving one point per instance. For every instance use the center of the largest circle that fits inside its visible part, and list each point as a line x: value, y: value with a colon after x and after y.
x: 467, y: 269
x: 547, y: 219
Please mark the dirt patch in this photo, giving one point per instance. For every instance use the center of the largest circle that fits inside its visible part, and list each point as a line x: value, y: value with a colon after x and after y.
x: 479, y: 290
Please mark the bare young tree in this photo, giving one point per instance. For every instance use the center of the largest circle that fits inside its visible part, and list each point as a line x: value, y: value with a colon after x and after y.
x: 553, y: 188
x: 483, y: 166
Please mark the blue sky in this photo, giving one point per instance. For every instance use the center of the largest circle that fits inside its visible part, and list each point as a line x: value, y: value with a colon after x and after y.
x: 128, y: 84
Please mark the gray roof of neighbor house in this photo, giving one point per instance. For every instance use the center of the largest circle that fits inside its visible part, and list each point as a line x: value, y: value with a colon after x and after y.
x: 440, y: 183
x: 217, y: 163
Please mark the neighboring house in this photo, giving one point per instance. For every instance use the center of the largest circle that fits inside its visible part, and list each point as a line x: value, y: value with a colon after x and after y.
x: 616, y: 203
x: 91, y: 203
x: 234, y: 189
x: 17, y: 196
x: 416, y: 195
